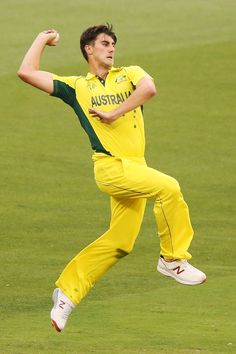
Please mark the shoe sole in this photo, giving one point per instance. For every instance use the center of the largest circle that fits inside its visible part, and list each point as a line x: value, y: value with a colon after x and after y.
x: 55, y: 325
x: 167, y: 274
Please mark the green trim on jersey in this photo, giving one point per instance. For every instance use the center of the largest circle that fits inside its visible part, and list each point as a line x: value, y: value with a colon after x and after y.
x: 95, y: 142
x: 67, y: 94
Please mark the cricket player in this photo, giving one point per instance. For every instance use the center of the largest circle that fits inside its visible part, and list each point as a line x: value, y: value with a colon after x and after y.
x: 108, y: 103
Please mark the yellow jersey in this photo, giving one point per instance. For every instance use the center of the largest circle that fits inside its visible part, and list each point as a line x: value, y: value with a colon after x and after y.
x: 125, y: 136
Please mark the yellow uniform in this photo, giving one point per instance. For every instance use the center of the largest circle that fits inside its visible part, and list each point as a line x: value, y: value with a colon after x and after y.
x: 125, y: 137
x: 120, y: 171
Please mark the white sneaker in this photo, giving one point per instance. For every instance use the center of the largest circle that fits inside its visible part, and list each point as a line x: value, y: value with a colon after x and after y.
x: 61, y: 310
x: 181, y: 271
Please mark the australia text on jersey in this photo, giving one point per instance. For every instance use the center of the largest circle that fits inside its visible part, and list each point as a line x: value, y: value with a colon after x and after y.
x: 109, y: 99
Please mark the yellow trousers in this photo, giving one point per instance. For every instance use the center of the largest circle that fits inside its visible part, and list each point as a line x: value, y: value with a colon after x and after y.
x: 129, y: 183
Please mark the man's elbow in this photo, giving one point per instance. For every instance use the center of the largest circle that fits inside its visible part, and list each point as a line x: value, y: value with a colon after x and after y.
x: 23, y: 75
x: 151, y: 89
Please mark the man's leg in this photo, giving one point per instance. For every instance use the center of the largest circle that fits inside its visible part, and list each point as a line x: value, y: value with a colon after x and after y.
x: 92, y: 262
x: 173, y: 220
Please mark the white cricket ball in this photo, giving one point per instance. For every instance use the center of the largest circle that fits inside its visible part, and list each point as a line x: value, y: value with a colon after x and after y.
x: 55, y: 40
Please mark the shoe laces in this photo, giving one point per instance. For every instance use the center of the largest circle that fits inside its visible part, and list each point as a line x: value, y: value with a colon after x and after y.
x: 184, y: 262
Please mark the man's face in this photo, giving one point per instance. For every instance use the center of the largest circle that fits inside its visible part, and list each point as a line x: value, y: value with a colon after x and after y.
x: 102, y: 50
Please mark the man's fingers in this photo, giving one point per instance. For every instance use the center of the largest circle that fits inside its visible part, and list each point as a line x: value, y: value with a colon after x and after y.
x: 50, y: 31
x: 99, y: 115
x: 93, y: 113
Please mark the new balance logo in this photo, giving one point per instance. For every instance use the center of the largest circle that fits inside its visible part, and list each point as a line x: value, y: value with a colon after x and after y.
x: 178, y: 270
x: 62, y: 304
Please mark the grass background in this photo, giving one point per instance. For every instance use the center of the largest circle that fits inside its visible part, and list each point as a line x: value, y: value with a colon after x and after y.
x: 50, y: 207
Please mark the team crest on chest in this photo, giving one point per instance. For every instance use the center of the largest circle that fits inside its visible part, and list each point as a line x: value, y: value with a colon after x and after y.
x: 120, y: 79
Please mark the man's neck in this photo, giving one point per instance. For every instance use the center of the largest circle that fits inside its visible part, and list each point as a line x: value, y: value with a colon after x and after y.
x: 99, y: 71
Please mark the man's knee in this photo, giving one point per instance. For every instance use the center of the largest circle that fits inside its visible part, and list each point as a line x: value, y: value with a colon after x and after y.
x: 125, y: 248
x: 173, y: 187
x: 121, y: 253
x: 124, y: 238
x: 170, y: 192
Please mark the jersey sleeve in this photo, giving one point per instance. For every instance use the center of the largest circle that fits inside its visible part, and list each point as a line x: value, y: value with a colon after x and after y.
x: 136, y: 73
x: 64, y: 88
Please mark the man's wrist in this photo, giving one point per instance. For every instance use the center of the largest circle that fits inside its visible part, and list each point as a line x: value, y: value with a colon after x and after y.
x: 115, y: 114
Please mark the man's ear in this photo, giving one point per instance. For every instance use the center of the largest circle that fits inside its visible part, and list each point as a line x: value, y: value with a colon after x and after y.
x: 89, y: 49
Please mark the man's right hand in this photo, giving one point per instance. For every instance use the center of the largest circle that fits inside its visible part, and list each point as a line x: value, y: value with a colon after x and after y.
x: 50, y: 37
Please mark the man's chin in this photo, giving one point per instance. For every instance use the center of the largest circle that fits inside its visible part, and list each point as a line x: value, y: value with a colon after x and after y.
x: 108, y: 65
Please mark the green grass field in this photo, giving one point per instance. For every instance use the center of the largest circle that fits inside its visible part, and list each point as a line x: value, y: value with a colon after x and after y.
x: 50, y: 207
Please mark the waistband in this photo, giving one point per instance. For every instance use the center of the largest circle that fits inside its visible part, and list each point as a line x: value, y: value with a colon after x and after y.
x: 101, y: 157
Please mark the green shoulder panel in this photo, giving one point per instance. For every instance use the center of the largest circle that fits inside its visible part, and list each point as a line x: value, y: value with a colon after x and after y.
x: 64, y: 91
x: 68, y: 95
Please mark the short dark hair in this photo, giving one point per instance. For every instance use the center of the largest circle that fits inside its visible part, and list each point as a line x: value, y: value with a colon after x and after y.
x: 91, y: 33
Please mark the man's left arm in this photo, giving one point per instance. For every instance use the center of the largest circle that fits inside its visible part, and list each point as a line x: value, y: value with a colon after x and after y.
x: 145, y: 89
